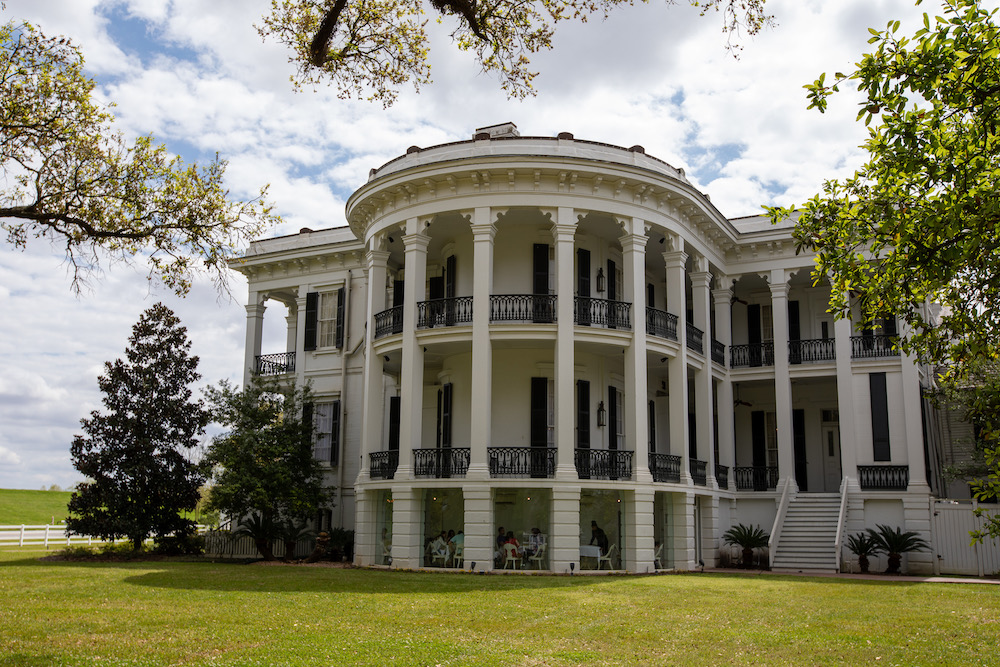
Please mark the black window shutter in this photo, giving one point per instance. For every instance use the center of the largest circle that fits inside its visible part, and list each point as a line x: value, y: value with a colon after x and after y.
x: 312, y: 311
x: 650, y: 293
x: 446, y: 393
x: 308, y: 428
x: 394, y: 404
x: 340, y: 318
x: 794, y: 333
x: 449, y: 277
x: 612, y: 418
x: 753, y: 334
x: 652, y: 426
x: 583, y: 414
x: 583, y: 272
x: 539, y: 412
x: 612, y: 280
x: 880, y: 416
x: 799, y: 449
x: 758, y: 438
x: 335, y: 433
x: 540, y: 269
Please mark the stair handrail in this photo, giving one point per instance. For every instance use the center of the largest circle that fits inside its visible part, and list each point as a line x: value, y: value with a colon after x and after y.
x: 779, y: 520
x: 841, y: 520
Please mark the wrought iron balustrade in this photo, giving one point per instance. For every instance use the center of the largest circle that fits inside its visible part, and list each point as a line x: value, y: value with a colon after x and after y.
x: 538, y: 308
x: 660, y: 323
x: 603, y: 463
x: 444, y: 312
x: 389, y: 322
x: 602, y: 312
x: 874, y: 346
x: 695, y: 338
x: 813, y: 350
x: 382, y: 465
x: 699, y: 471
x: 718, y: 352
x: 884, y: 478
x: 441, y: 462
x: 754, y: 354
x: 665, y: 467
x: 756, y: 478
x: 722, y: 476
x: 274, y: 364
x: 538, y: 462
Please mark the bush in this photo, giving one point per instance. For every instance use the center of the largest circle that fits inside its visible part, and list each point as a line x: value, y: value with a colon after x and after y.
x: 186, y: 544
x: 341, y: 544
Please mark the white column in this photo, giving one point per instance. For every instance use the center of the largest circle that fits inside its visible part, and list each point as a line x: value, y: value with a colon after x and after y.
x: 842, y: 331
x: 636, y: 415
x: 255, y: 327
x: 564, y: 543
x: 300, y: 336
x: 677, y: 373
x: 639, y: 549
x: 914, y: 425
x: 412, y: 368
x: 722, y: 299
x: 782, y: 380
x: 483, y: 232
x: 564, y: 232
x: 479, y: 529
x: 373, y: 410
x: 407, y: 526
x: 701, y: 283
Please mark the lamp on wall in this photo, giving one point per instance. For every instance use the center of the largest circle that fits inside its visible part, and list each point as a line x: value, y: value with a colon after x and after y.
x: 602, y: 414
x: 600, y: 281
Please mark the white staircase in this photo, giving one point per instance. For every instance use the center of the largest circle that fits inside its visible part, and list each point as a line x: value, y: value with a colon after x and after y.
x: 808, y: 537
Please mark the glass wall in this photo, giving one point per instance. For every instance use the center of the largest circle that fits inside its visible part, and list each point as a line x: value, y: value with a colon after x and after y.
x: 602, y: 530
x: 522, y: 518
x: 383, y: 528
x: 444, y: 528
x: 663, y: 531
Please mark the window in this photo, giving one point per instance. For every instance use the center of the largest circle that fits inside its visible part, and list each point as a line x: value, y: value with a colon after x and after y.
x: 771, y: 433
x: 616, y: 418
x: 880, y: 416
x: 543, y: 428
x: 766, y: 323
x: 324, y: 325
x: 326, y: 421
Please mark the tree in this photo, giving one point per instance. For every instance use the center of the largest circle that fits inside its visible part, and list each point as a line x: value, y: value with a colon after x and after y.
x: 70, y: 178
x: 382, y: 44
x: 917, y: 223
x: 265, y: 475
x: 133, y: 454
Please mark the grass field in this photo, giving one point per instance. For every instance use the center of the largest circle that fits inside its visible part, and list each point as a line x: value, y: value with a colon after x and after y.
x: 183, y: 613
x: 32, y: 507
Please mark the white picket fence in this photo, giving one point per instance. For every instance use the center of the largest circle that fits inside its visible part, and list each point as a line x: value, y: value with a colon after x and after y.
x: 952, y: 521
x: 222, y: 544
x: 23, y: 535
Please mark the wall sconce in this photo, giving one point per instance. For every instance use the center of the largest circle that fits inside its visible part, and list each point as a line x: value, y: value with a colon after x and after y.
x: 602, y: 414
x: 600, y: 281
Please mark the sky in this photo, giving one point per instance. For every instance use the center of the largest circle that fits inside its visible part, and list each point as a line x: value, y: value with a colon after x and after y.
x: 197, y: 76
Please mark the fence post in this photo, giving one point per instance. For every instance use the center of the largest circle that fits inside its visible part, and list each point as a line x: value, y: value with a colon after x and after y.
x: 20, y: 541
x: 46, y: 537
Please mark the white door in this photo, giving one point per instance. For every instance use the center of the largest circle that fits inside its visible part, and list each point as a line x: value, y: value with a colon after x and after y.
x: 832, y: 473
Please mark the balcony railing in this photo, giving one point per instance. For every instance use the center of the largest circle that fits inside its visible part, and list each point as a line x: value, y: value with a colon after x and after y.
x: 809, y: 351
x: 756, y: 354
x: 274, y: 364
x: 382, y: 465
x: 699, y: 471
x: 722, y: 476
x: 874, y: 346
x: 539, y: 308
x: 660, y: 323
x: 536, y: 462
x: 665, y: 467
x: 756, y: 478
x: 602, y: 312
x: 441, y: 463
x: 695, y: 338
x: 603, y: 464
x: 718, y: 352
x: 884, y: 478
x: 444, y: 312
x: 389, y: 322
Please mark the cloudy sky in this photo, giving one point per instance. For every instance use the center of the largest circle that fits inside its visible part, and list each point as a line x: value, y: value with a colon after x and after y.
x: 195, y: 74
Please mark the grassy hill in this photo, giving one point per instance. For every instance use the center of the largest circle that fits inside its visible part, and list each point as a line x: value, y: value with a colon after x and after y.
x: 32, y: 507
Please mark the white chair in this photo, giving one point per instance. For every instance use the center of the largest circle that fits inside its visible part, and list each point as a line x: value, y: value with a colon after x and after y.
x: 511, y: 557
x: 658, y: 557
x: 608, y: 558
x: 441, y: 557
x: 458, y: 558
x: 539, y: 557
x: 386, y: 553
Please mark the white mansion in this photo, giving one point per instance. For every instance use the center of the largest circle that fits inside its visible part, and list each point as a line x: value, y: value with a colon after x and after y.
x: 535, y: 332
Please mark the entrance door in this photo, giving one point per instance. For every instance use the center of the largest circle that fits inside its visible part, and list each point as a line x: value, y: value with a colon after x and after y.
x: 832, y: 473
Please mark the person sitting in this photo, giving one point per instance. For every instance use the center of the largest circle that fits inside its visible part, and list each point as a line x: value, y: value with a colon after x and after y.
x: 498, y: 552
x: 439, y: 545
x: 598, y: 535
x: 513, y: 541
x: 535, y: 542
x: 457, y: 540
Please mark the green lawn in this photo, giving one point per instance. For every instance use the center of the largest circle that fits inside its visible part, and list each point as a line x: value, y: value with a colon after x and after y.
x: 32, y: 507
x: 173, y: 613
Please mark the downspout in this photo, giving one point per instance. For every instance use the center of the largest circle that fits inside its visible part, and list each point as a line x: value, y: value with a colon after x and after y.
x: 343, y: 399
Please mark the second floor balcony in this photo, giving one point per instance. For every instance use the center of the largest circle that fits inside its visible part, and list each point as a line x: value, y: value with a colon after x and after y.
x: 665, y: 467
x: 811, y: 351
x: 751, y: 355
x: 537, y: 462
x: 603, y: 464
x: 444, y: 312
x: 756, y: 478
x: 441, y: 462
x: 873, y: 346
x: 274, y: 364
x: 588, y: 311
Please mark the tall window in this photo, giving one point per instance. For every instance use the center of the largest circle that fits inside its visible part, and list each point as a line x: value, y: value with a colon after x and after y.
x: 766, y: 323
x: 324, y: 326
x: 327, y: 320
x: 616, y: 418
x: 771, y: 433
x: 326, y: 421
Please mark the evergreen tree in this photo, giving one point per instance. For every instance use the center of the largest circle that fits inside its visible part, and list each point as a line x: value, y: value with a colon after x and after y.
x: 133, y: 454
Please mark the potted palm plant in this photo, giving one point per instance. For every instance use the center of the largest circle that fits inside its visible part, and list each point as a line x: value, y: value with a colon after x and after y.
x: 863, y: 545
x: 748, y: 538
x: 895, y: 543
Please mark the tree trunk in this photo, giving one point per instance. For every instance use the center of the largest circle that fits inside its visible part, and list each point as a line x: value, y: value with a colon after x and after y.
x: 863, y: 564
x: 264, y: 548
x: 748, y: 558
x: 894, y: 560
x: 290, y: 550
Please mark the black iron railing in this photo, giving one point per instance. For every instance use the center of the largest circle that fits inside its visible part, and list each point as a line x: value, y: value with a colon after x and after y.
x: 665, y: 467
x: 755, y: 354
x: 441, y: 463
x: 699, y: 471
x: 722, y: 476
x: 884, y: 478
x: 389, y: 322
x: 718, y: 352
x: 274, y: 364
x: 660, y: 323
x: 695, y: 338
x: 539, y: 308
x: 603, y: 463
x: 874, y: 346
x: 602, y: 312
x: 382, y: 465
x: 756, y: 478
x: 522, y: 461
x: 808, y: 351
x: 444, y: 312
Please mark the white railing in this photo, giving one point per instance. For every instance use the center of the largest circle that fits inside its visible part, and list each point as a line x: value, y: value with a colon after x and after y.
x: 222, y: 544
x: 24, y: 535
x: 779, y: 521
x: 841, y: 520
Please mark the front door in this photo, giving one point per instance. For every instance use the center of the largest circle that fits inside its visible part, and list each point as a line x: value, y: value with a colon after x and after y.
x: 832, y: 473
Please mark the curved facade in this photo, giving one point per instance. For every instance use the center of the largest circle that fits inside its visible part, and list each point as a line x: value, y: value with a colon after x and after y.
x: 553, y: 334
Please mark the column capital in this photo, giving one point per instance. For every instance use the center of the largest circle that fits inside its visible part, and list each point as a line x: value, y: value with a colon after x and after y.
x: 376, y: 258
x: 562, y: 232
x: 675, y: 259
x: 779, y: 290
x: 701, y: 279
x: 722, y: 295
x: 418, y: 241
x: 633, y: 242
x: 483, y: 232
